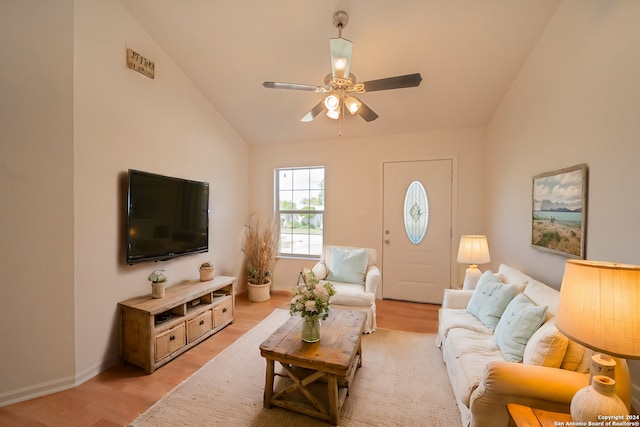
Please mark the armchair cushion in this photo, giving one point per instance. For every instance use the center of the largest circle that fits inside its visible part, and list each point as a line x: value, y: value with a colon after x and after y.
x: 348, y: 265
x: 352, y: 295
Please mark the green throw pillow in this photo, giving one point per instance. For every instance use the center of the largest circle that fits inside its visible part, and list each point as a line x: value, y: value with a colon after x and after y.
x: 490, y: 298
x: 519, y: 321
x: 348, y: 265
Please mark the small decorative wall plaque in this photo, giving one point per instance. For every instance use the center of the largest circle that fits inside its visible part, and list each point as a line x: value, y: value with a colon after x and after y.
x: 139, y: 63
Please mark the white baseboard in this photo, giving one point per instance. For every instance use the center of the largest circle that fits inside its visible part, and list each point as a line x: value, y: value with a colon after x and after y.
x: 36, y: 390
x: 48, y: 387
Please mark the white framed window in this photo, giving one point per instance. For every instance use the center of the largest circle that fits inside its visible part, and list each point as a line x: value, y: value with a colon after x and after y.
x: 300, y: 210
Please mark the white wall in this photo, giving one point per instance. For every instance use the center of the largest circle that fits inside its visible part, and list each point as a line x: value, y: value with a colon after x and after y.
x: 577, y: 100
x: 126, y: 120
x: 36, y: 184
x: 82, y: 120
x: 353, y: 184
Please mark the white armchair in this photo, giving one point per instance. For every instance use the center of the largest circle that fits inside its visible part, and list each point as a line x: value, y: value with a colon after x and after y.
x: 355, y: 276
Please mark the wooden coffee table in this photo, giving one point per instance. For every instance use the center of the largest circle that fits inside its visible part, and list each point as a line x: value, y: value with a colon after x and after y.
x: 316, y: 376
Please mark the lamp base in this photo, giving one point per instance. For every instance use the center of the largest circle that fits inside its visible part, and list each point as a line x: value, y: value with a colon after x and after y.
x: 599, y: 399
x: 602, y: 364
x: 471, y: 277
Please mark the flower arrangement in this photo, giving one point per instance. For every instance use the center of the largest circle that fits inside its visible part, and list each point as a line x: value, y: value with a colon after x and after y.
x: 311, y: 299
x: 157, y: 276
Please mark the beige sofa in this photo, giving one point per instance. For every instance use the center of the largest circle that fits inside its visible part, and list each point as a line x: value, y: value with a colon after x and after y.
x: 476, y: 349
x: 355, y: 276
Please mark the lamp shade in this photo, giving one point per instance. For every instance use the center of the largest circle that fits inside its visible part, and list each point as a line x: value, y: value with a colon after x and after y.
x: 600, y: 306
x: 473, y: 250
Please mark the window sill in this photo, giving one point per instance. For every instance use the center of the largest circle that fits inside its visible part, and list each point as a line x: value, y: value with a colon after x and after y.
x: 299, y: 257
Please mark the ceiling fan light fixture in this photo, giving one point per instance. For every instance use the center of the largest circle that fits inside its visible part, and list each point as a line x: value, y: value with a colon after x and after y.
x: 340, y: 64
x: 333, y: 114
x: 332, y: 102
x: 341, y: 85
x: 353, y: 104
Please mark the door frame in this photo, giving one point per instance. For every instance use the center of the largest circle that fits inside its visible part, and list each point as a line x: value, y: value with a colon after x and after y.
x: 453, y: 274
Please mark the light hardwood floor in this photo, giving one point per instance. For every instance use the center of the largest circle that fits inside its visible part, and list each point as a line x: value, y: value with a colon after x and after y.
x: 120, y: 394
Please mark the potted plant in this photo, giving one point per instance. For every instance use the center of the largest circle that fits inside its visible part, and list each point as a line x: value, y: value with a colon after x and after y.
x: 206, y: 271
x: 158, y: 282
x: 260, y: 245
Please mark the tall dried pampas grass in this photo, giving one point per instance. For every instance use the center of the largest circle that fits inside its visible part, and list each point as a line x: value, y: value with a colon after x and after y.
x: 260, y: 244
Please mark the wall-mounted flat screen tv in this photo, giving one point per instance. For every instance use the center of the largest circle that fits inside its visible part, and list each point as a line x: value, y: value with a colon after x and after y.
x: 166, y: 217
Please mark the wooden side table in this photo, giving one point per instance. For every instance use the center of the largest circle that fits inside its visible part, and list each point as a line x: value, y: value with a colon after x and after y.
x: 524, y: 416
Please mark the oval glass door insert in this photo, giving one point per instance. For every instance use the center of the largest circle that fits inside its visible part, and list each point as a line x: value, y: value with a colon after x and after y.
x: 416, y: 212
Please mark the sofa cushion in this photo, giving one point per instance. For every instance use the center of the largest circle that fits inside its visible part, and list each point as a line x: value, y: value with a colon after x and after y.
x: 541, y: 294
x: 348, y: 265
x: 490, y: 299
x: 577, y: 358
x: 466, y: 354
x: 519, y: 321
x: 512, y: 275
x: 452, y: 318
x: 546, y: 347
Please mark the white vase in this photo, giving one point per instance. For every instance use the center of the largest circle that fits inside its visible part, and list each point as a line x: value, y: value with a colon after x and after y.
x: 157, y: 290
x: 592, y: 402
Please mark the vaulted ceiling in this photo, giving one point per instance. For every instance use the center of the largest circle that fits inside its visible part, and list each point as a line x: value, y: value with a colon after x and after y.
x: 467, y: 51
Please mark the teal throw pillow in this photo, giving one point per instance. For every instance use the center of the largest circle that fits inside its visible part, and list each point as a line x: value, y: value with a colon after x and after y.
x: 490, y: 298
x: 348, y: 265
x: 518, y: 323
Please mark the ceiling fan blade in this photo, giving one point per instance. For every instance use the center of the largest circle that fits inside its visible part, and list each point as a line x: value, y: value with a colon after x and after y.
x: 365, y: 112
x: 397, y: 82
x: 314, y: 112
x: 292, y: 86
x: 340, y: 57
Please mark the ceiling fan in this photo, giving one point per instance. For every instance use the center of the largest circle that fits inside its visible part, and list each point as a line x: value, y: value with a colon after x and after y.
x: 341, y: 85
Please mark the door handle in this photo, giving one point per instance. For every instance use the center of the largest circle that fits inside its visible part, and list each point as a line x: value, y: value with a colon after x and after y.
x: 386, y: 241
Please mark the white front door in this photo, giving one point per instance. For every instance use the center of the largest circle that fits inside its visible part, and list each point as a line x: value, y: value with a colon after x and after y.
x: 416, y: 262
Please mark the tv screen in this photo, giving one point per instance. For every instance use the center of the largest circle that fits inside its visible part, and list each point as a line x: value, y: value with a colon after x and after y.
x: 166, y: 217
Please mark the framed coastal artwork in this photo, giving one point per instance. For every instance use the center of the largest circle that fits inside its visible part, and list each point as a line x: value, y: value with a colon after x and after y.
x: 559, y: 213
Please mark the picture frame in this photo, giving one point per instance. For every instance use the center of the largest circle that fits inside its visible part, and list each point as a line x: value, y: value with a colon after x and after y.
x: 559, y: 211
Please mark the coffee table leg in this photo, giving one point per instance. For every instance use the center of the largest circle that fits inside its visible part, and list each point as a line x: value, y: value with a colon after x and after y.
x: 332, y: 387
x: 268, y: 384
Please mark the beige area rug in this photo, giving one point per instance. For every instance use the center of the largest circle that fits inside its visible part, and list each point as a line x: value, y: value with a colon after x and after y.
x: 402, y: 382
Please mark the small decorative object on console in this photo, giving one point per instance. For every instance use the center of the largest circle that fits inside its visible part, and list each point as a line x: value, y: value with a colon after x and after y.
x: 206, y: 271
x: 157, y: 279
x: 311, y: 299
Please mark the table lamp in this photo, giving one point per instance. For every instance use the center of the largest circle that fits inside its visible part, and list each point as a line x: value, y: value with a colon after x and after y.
x: 599, y: 308
x: 473, y: 250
